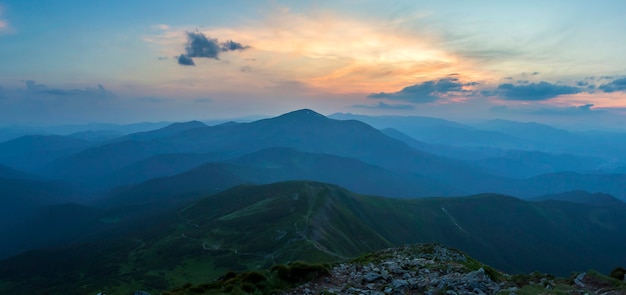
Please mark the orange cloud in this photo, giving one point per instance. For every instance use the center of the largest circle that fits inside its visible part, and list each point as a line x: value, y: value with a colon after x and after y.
x: 598, y: 99
x: 331, y: 54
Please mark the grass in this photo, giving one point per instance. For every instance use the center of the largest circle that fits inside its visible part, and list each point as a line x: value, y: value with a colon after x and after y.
x: 280, y: 277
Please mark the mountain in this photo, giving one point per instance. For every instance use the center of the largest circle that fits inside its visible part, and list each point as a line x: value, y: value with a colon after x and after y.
x: 439, y: 131
x: 97, y: 135
x: 529, y: 131
x: 508, y: 163
x: 161, y: 165
x: 281, y: 164
x: 274, y: 165
x: 252, y: 227
x: 10, y: 173
x: 20, y: 201
x: 303, y: 130
x: 164, y: 131
x: 30, y: 153
x: 205, y: 179
x: 554, y: 183
x: 583, y: 197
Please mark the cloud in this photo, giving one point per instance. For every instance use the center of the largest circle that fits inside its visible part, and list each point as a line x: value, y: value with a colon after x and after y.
x: 424, y: 92
x: 202, y: 100
x: 533, y: 91
x: 4, y: 25
x: 99, y: 92
x: 385, y: 106
x: 585, y: 109
x: 183, y: 60
x: 201, y: 46
x: 614, y: 86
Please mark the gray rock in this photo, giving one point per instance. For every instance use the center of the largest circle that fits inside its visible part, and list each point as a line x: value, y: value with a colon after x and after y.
x: 399, y: 284
x: 371, y: 276
x: 579, y: 279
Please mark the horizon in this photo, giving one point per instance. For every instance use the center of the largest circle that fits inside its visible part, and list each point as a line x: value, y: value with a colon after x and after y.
x: 558, y: 65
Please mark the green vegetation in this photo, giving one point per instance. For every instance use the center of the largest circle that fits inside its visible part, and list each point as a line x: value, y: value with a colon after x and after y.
x: 279, y: 277
x: 250, y: 228
x: 618, y: 273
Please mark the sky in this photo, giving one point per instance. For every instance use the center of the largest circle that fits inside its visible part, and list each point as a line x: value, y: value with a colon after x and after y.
x: 68, y: 62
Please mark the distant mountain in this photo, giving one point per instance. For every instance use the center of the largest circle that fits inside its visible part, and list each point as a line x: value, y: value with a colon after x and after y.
x: 161, y: 165
x: 168, y: 130
x: 508, y: 163
x: 97, y: 135
x: 204, y: 180
x: 439, y: 131
x: 555, y: 183
x: 251, y: 227
x: 528, y: 130
x: 281, y: 164
x: 30, y: 153
x: 10, y: 173
x: 274, y: 165
x: 303, y: 130
x: 20, y: 200
x: 583, y: 197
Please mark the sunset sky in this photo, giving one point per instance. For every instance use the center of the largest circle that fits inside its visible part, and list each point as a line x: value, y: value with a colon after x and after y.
x: 129, y: 61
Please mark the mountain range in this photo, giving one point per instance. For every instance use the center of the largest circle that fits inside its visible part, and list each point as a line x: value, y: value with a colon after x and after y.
x: 157, y: 207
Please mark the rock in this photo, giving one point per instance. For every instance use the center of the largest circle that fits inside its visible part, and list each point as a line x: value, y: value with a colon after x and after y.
x: 371, y: 276
x: 399, y: 284
x: 579, y: 279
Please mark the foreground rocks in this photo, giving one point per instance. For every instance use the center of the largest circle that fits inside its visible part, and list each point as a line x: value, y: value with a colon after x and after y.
x: 434, y: 269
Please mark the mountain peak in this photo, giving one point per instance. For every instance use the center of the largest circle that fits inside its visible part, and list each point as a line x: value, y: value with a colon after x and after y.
x: 184, y: 125
x: 303, y: 114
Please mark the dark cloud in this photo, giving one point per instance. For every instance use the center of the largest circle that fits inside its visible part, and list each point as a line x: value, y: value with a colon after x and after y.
x: 245, y: 69
x: 582, y: 83
x: 425, y: 92
x: 185, y: 61
x: 385, y: 106
x: 162, y: 57
x: 533, y: 91
x: 99, y: 92
x: 201, y: 46
x: 614, y: 86
x: 230, y: 45
x: 535, y: 73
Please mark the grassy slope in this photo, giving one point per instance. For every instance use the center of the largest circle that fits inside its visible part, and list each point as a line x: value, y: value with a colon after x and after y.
x: 252, y: 227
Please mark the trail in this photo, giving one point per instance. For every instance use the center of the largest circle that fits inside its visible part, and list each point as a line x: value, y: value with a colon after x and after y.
x: 453, y: 220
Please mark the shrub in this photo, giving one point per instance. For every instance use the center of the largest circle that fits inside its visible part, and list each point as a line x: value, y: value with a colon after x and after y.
x: 298, y: 272
x: 618, y: 273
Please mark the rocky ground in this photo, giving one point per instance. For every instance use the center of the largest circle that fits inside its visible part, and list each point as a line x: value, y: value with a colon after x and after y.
x: 433, y: 269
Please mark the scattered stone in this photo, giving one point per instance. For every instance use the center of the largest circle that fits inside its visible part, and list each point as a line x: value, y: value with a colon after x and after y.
x: 433, y: 269
x: 579, y: 279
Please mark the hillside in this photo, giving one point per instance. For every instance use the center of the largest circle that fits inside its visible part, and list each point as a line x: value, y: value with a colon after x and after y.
x: 251, y: 227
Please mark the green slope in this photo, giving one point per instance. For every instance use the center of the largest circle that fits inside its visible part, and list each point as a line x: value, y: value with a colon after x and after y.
x: 254, y: 227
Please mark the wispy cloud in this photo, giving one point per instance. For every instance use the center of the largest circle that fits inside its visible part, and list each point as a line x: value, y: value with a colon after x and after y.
x: 384, y: 106
x: 4, y: 24
x: 99, y: 92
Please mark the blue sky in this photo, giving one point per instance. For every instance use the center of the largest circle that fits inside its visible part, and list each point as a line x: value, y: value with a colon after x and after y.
x: 129, y: 61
